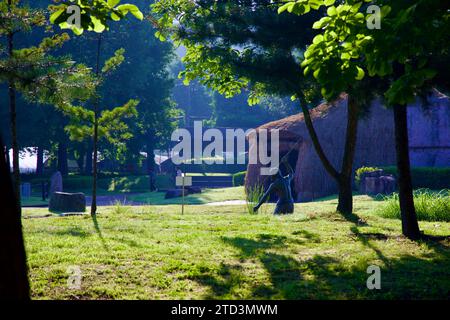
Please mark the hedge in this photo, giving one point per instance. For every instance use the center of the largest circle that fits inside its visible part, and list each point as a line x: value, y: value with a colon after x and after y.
x: 426, y: 177
x: 239, y: 178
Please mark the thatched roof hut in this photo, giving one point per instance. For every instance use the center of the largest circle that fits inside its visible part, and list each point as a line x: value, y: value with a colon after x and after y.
x: 428, y: 130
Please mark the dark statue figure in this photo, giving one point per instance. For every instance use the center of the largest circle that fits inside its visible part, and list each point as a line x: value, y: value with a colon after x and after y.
x: 281, y: 185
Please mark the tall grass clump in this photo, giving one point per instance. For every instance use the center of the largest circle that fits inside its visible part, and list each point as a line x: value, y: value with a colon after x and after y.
x: 252, y: 196
x: 430, y: 205
x: 120, y: 208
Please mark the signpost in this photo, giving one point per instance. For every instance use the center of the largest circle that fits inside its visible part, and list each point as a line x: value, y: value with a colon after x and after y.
x: 182, y: 181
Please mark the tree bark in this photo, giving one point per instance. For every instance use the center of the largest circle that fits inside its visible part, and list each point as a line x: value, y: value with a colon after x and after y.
x: 40, y: 161
x: 95, y: 142
x: 345, y: 203
x: 62, y: 159
x: 13, y: 268
x: 410, y: 226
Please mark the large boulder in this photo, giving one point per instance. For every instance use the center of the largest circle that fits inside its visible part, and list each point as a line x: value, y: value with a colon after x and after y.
x: 67, y: 202
x: 56, y: 183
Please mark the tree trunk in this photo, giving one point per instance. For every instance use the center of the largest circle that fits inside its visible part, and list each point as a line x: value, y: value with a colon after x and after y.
x: 345, y: 197
x: 345, y: 203
x: 13, y: 268
x: 410, y: 226
x: 151, y: 164
x: 94, y: 167
x: 95, y: 142
x: 13, y: 116
x: 62, y: 159
x: 40, y: 161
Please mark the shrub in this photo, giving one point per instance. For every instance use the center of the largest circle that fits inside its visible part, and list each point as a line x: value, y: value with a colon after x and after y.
x: 359, y: 172
x: 239, y: 178
x: 426, y: 177
x: 430, y: 206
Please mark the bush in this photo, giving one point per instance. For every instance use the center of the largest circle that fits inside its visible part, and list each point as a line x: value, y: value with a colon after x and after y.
x: 239, y: 178
x: 359, y: 172
x: 430, y: 206
x: 426, y: 177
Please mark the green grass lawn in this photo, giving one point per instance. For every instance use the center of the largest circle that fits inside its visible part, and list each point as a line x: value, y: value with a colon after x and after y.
x: 154, y: 252
x: 207, y: 196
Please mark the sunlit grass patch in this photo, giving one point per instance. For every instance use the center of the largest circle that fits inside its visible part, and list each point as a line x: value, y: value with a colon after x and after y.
x: 430, y: 206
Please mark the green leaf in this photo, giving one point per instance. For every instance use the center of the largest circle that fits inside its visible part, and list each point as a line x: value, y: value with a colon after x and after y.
x: 329, y: 2
x: 125, y: 8
x: 98, y: 25
x: 56, y: 14
x: 285, y: 7
x: 113, y: 3
x: 331, y: 11
x: 317, y: 39
x: 360, y: 74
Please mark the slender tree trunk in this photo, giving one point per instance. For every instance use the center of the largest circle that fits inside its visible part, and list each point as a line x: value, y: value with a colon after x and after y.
x: 410, y: 226
x: 94, y: 169
x: 62, y: 159
x: 345, y: 203
x: 13, y: 268
x: 13, y: 116
x: 95, y: 142
x: 40, y: 160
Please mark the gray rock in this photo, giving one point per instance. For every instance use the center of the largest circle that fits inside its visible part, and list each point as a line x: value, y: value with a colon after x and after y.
x: 67, y: 202
x: 56, y: 183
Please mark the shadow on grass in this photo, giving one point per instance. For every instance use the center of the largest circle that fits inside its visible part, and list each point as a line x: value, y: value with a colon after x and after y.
x: 99, y: 232
x: 323, y: 277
